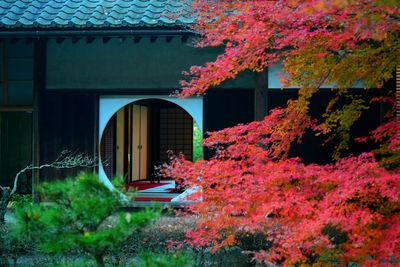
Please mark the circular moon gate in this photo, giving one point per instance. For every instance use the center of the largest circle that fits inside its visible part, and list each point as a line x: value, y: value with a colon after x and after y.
x: 109, y: 105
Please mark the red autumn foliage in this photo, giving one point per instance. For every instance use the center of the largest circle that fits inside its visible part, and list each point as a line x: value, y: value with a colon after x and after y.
x: 245, y: 189
x: 347, y: 211
x: 318, y: 40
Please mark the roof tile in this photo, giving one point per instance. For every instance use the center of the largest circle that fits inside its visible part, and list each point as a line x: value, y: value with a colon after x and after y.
x: 99, y: 13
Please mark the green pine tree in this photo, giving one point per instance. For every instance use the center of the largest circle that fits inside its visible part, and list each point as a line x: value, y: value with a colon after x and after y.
x: 79, y: 213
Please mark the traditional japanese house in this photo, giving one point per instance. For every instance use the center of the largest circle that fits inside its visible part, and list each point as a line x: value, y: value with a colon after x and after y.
x: 96, y: 76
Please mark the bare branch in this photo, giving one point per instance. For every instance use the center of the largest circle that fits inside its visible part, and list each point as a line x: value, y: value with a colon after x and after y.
x: 66, y: 160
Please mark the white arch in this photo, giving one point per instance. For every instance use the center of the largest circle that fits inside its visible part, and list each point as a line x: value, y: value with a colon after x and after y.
x: 109, y: 105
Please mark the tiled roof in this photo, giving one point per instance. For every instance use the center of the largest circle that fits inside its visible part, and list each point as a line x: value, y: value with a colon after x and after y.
x: 94, y: 13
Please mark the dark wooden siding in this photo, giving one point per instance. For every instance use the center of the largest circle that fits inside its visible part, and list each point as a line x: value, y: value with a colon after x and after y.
x: 314, y: 149
x: 67, y: 122
x: 225, y: 108
x: 15, y: 147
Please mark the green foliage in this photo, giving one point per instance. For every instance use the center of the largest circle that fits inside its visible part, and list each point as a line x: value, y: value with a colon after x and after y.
x: 81, y: 214
x: 388, y: 159
x: 252, y: 241
x: 338, y: 122
x: 118, y: 182
x: 145, y: 259
x: 12, y: 246
x: 163, y: 260
x: 197, y: 146
x: 18, y: 200
x: 81, y: 262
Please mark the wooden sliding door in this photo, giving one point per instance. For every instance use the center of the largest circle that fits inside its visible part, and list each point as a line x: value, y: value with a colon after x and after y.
x: 145, y: 132
x: 132, y: 142
x: 120, y: 143
x: 140, y: 142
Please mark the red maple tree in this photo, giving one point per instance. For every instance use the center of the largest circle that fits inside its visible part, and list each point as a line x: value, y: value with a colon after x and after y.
x: 347, y: 211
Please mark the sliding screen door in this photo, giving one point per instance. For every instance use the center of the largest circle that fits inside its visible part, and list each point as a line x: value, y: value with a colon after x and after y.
x: 120, y: 151
x: 140, y: 142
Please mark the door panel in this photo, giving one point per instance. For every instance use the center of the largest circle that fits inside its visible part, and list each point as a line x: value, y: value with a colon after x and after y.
x: 135, y: 142
x: 144, y: 141
x: 120, y: 142
x: 140, y: 142
x: 150, y: 129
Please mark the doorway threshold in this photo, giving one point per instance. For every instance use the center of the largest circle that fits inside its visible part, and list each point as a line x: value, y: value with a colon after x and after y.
x: 162, y: 194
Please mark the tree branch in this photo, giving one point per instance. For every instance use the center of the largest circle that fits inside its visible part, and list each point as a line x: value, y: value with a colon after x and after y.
x: 66, y: 160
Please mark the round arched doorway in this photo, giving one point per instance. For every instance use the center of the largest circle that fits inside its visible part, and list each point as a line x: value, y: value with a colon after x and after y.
x: 138, y: 134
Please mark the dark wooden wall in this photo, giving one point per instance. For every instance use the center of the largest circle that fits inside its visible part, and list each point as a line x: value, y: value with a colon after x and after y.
x: 67, y: 122
x: 225, y: 108
x: 15, y: 148
x: 314, y: 149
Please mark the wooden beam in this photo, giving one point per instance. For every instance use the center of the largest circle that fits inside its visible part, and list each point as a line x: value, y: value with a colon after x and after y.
x: 16, y: 108
x: 184, y: 38
x: 137, y: 39
x: 75, y: 39
x: 168, y: 39
x: 106, y: 39
x: 59, y: 40
x: 153, y: 39
x: 90, y: 40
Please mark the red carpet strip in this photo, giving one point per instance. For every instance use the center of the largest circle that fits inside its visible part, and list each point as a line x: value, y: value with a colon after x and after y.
x: 143, y: 185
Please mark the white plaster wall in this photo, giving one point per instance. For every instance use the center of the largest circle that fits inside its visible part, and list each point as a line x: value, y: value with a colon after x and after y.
x: 275, y: 71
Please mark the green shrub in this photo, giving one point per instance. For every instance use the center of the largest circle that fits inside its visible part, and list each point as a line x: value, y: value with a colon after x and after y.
x: 163, y: 260
x: 18, y: 200
x: 79, y: 214
x: 12, y: 246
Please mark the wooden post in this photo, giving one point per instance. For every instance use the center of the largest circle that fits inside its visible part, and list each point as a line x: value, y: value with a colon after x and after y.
x: 39, y: 83
x: 96, y: 137
x: 260, y: 96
